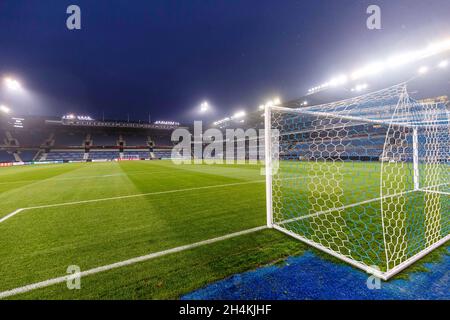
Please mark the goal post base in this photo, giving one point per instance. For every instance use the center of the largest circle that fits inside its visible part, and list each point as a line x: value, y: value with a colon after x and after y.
x: 385, y: 276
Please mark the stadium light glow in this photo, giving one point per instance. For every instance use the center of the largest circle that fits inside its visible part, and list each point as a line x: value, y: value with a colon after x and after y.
x: 423, y: 70
x: 277, y: 101
x: 12, y: 84
x: 270, y: 103
x: 219, y: 122
x: 360, y: 87
x: 393, y: 62
x: 4, y: 109
x: 443, y: 64
x: 239, y: 114
x: 339, y: 80
x: 371, y: 69
x: 204, y: 107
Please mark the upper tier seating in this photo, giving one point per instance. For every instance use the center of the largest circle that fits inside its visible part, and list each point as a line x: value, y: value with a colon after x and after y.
x: 69, y: 139
x: 162, y: 141
x: 99, y: 139
x: 29, y: 138
x: 134, y: 140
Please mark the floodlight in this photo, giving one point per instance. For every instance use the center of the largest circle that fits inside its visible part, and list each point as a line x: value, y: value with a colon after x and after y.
x: 371, y: 69
x: 204, y: 106
x: 423, y: 70
x: 339, y: 80
x: 239, y: 114
x: 443, y: 64
x: 4, y: 109
x: 12, y: 84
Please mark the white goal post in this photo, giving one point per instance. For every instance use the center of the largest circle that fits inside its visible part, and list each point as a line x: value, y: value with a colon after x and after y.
x: 366, y: 180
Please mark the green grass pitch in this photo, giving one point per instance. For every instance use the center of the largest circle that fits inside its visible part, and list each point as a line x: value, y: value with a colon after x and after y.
x: 183, y: 204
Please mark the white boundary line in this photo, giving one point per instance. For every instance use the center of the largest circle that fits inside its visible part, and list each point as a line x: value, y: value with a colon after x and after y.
x: 120, y: 264
x: 11, y: 215
x: 350, y: 261
x: 427, y: 189
x: 126, y: 197
x: 437, y: 192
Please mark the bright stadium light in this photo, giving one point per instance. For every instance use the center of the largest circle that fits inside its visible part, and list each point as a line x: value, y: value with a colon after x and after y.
x: 12, y: 84
x: 402, y: 59
x: 339, y: 80
x: 261, y: 107
x: 4, y: 109
x: 423, y: 70
x: 394, y: 62
x: 221, y: 121
x: 239, y: 114
x: 360, y: 87
x: 371, y: 69
x: 204, y: 107
x: 443, y: 64
x: 277, y: 101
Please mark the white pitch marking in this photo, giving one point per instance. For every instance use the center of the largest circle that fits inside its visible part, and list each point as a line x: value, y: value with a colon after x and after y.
x: 10, y: 215
x: 125, y: 197
x: 150, y: 256
x: 437, y: 192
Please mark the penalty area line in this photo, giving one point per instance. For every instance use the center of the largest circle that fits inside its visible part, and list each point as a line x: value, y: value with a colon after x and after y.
x: 58, y: 280
x: 12, y: 214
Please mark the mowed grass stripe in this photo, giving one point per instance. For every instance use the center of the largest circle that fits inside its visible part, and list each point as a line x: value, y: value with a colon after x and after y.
x: 125, y: 263
x: 125, y: 197
x: 50, y: 190
x: 41, y: 244
x: 170, y: 276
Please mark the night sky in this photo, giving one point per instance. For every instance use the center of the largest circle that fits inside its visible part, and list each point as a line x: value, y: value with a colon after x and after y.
x: 166, y: 57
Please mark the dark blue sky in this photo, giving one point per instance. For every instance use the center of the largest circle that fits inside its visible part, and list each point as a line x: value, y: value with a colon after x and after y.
x: 165, y: 57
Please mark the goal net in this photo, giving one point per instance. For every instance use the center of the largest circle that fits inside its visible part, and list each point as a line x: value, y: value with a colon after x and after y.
x: 365, y: 180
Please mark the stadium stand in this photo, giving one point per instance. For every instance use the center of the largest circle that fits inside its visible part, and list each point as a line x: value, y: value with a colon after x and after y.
x: 64, y: 155
x: 104, y: 139
x: 30, y: 138
x: 27, y: 155
x: 69, y: 139
x: 139, y: 154
x: 104, y: 155
x: 73, y: 138
x: 163, y: 154
x: 6, y: 156
x: 134, y: 140
x: 162, y: 140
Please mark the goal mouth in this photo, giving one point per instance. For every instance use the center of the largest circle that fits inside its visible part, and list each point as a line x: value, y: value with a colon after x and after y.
x: 365, y: 180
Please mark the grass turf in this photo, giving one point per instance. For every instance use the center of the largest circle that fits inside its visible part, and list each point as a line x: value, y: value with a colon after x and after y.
x: 39, y: 244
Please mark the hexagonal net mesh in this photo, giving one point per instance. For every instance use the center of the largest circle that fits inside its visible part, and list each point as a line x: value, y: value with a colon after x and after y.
x: 365, y: 179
